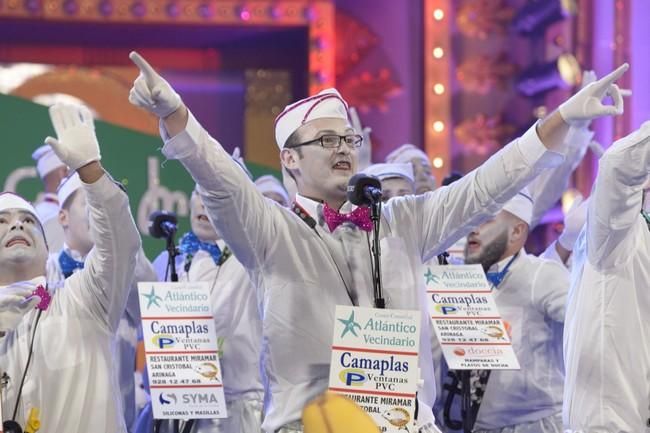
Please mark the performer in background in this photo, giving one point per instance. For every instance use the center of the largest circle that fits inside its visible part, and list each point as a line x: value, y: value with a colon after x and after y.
x: 71, y: 258
x: 530, y: 294
x: 207, y: 258
x: 607, y: 328
x: 397, y: 179
x: 51, y: 171
x: 304, y: 263
x: 58, y: 359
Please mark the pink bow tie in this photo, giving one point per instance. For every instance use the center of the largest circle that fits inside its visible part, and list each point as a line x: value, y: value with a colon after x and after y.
x: 359, y: 217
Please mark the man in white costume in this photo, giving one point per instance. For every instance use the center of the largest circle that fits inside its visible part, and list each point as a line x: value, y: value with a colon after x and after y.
x: 205, y: 257
x: 397, y: 179
x: 423, y: 176
x: 71, y: 258
x: 607, y: 329
x: 305, y: 263
x: 51, y: 171
x: 530, y: 294
x: 272, y: 188
x: 64, y: 352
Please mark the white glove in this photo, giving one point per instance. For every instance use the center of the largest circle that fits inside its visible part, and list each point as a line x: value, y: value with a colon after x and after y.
x: 573, y: 221
x: 587, y: 103
x: 76, y: 143
x: 588, y: 77
x: 14, y: 304
x: 150, y: 91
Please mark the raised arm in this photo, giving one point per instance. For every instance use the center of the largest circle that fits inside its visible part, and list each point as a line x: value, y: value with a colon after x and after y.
x: 615, y: 203
x: 547, y: 188
x: 102, y: 287
x: 242, y: 216
x: 448, y: 213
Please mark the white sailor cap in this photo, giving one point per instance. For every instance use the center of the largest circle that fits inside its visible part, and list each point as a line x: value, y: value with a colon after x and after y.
x: 326, y: 104
x: 46, y: 160
x: 387, y: 171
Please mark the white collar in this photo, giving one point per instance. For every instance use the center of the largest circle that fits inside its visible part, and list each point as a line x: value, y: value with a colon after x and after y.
x: 311, y: 206
x: 499, y: 266
x: 73, y: 253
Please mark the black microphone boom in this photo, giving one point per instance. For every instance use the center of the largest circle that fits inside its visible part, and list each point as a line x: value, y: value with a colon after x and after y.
x: 162, y: 224
x: 364, y: 190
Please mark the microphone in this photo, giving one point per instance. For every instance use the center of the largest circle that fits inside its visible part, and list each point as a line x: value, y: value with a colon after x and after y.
x: 364, y: 190
x: 162, y: 224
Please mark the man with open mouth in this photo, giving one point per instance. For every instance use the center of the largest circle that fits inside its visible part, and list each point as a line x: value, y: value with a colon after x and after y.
x: 306, y: 261
x: 57, y: 357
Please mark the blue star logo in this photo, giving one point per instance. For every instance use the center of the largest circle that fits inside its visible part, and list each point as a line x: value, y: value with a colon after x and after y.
x: 152, y: 298
x: 350, y: 325
x: 431, y: 278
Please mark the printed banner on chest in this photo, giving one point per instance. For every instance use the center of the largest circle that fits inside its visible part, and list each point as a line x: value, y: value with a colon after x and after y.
x: 181, y: 349
x: 375, y: 363
x: 466, y: 320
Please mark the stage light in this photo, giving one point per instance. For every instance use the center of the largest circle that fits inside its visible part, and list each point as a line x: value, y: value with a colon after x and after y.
x: 438, y: 52
x: 438, y: 14
x: 439, y: 89
x: 564, y: 72
x: 438, y: 126
x: 536, y: 15
x: 438, y: 162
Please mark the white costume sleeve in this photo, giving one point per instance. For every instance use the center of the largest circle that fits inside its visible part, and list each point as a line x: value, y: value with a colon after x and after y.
x: 549, y: 186
x: 245, y: 218
x: 144, y: 272
x: 616, y: 200
x: 435, y: 220
x: 102, y: 287
x: 550, y: 289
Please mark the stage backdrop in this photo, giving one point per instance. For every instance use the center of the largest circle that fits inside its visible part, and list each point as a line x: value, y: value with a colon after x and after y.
x: 131, y: 157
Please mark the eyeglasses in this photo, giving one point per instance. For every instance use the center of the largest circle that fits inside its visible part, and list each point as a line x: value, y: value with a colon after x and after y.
x: 330, y: 141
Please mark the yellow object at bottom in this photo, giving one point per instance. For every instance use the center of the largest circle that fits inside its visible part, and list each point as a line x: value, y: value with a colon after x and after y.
x: 333, y: 413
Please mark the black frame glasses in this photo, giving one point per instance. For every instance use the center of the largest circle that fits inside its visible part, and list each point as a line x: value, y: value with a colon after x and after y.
x: 328, y: 141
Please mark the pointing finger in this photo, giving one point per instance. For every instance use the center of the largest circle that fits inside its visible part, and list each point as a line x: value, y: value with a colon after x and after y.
x: 147, y: 70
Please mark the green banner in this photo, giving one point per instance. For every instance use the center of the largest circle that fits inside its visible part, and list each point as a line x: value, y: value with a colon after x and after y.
x: 131, y: 157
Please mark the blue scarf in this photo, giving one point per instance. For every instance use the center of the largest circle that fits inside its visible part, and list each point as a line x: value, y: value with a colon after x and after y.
x: 68, y: 264
x: 496, y: 278
x: 190, y: 244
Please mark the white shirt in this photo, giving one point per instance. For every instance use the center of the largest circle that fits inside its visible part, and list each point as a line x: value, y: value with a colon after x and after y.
x: 125, y: 343
x: 531, y: 300
x: 237, y: 319
x: 296, y: 271
x: 607, y: 333
x: 70, y: 378
x: 48, y: 213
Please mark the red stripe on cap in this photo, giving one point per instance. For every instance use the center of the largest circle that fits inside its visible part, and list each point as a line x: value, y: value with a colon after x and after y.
x: 318, y: 98
x: 328, y: 96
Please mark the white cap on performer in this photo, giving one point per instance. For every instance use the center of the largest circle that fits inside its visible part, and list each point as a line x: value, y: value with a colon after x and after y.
x: 387, y: 171
x: 521, y: 206
x: 9, y: 200
x: 405, y: 153
x: 270, y: 183
x: 324, y: 105
x: 67, y: 187
x: 46, y: 160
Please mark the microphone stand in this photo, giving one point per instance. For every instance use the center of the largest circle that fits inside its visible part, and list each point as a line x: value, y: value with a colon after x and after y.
x: 172, y: 253
x: 375, y: 217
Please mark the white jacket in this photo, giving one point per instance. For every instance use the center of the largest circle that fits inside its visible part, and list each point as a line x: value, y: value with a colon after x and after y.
x: 607, y: 333
x: 125, y: 343
x: 295, y: 269
x: 70, y: 378
x: 531, y: 300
